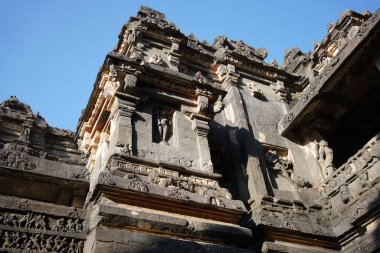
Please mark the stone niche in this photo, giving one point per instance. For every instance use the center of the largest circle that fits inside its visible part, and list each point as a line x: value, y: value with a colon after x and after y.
x: 165, y: 134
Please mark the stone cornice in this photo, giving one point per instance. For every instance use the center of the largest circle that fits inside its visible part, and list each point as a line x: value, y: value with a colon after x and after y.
x: 329, y: 75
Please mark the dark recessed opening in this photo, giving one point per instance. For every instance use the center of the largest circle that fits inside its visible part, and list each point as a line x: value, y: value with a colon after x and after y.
x: 356, y: 127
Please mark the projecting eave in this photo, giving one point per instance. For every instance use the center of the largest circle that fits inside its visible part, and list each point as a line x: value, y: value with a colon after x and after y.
x: 339, y: 86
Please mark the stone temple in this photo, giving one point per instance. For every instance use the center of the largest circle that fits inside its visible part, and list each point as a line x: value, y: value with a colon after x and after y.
x: 190, y: 147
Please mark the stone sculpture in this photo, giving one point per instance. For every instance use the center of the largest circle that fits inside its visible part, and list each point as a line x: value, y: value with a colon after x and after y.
x: 325, y: 156
x: 173, y: 154
x: 164, y: 126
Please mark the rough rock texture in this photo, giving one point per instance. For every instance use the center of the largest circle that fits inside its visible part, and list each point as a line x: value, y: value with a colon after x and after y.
x: 190, y: 147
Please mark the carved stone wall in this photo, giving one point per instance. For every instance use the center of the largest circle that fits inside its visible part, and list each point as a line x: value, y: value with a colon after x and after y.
x: 186, y: 146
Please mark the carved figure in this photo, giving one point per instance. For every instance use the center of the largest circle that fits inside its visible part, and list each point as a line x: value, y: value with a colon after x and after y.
x: 6, y: 240
x: 285, y: 168
x: 17, y: 159
x: 10, y: 219
x: 72, y: 248
x: 25, y: 220
x: 18, y: 240
x: 113, y: 72
x: 218, y: 105
x: 59, y: 244
x: 161, y: 181
x: 111, y: 84
x: 202, y: 107
x: 78, y: 225
x: 48, y: 243
x: 200, y: 77
x: 155, y: 59
x: 325, y: 156
x: 34, y: 242
x: 216, y: 201
x: 165, y: 182
x: 40, y: 222
x: 25, y: 136
x: 363, y: 179
x: 79, y: 248
x: 344, y: 194
x: 70, y: 225
x: 163, y: 126
x: 187, y: 185
x: 126, y: 149
x: 60, y: 225
x: 326, y: 207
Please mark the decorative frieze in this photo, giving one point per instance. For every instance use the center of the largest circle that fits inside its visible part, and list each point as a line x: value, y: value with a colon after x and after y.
x: 31, y: 242
x: 15, y: 156
x: 40, y: 221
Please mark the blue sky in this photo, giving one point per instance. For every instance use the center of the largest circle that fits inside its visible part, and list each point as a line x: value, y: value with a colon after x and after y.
x: 51, y: 50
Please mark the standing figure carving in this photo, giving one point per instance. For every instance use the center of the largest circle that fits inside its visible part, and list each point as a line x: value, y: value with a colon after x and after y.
x: 111, y: 84
x: 25, y: 136
x: 164, y: 125
x: 325, y: 156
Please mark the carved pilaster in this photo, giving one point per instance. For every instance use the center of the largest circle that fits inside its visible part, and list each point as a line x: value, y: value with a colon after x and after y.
x: 174, y: 56
x: 201, y: 128
x: 227, y: 75
x: 121, y: 128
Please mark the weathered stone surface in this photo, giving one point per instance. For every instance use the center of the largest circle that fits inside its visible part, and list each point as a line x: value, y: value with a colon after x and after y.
x: 190, y: 147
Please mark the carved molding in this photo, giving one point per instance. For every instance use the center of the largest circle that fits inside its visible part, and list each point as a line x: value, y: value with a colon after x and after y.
x: 174, y: 184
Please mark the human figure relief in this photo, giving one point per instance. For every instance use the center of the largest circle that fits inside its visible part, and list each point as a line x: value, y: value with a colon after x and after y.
x: 344, y: 194
x: 218, y: 105
x: 325, y: 157
x: 163, y: 126
x: 111, y: 84
x: 285, y: 168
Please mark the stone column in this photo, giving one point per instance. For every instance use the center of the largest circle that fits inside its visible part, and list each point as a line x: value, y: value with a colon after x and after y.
x: 201, y: 128
x: 121, y: 126
x: 251, y: 176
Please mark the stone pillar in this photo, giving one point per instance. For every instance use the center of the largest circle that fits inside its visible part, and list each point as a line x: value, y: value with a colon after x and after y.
x: 121, y: 126
x: 201, y: 128
x: 251, y: 176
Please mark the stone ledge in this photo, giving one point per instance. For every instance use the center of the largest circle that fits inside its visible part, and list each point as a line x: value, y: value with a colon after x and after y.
x: 158, y: 222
